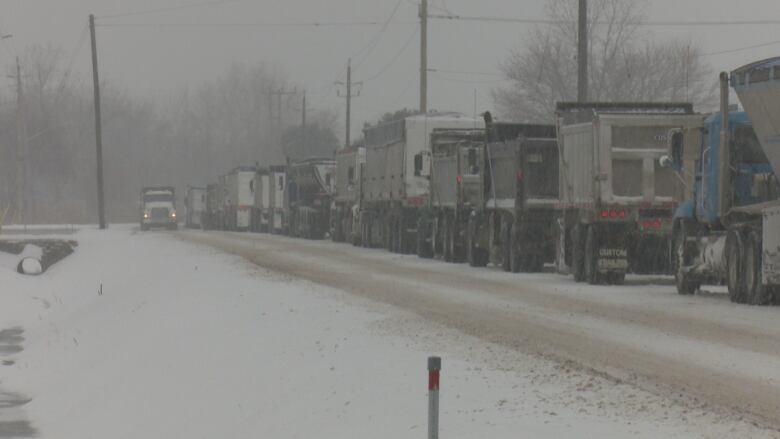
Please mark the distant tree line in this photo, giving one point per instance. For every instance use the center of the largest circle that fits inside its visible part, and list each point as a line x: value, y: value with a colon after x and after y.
x: 185, y: 138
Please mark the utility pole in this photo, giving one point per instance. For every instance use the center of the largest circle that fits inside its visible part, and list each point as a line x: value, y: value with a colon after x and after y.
x: 349, y: 95
x: 303, y: 127
x: 98, y: 127
x: 21, y: 146
x: 349, y: 100
x: 424, y: 56
x: 582, y: 53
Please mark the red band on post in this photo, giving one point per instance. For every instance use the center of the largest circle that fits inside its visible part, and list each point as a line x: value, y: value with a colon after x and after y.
x: 433, y: 380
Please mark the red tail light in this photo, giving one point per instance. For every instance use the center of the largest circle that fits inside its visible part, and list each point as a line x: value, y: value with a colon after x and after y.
x: 458, y: 179
x: 613, y: 214
x: 520, y: 176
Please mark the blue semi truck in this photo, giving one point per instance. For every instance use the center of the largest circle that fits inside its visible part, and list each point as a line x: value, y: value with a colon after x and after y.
x: 728, y: 231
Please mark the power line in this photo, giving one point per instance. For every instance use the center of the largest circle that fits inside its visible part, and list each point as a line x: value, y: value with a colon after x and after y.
x: 168, y: 9
x: 469, y: 81
x: 375, y: 41
x: 248, y: 25
x: 394, y: 58
x: 641, y: 23
x: 740, y: 49
x: 462, y: 72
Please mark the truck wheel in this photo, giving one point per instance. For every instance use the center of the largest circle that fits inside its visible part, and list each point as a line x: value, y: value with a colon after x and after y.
x: 592, y: 275
x: 423, y: 246
x: 477, y: 257
x: 755, y: 290
x: 455, y: 250
x: 403, y: 240
x: 506, y: 236
x: 616, y: 278
x: 446, y: 240
x: 735, y: 258
x: 387, y: 235
x: 534, y: 263
x: 577, y: 254
x: 516, y: 259
x: 685, y: 285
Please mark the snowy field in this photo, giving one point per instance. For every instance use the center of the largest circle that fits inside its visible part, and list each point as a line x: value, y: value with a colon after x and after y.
x: 145, y: 335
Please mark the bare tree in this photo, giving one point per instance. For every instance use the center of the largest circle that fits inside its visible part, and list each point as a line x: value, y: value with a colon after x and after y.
x: 625, y: 63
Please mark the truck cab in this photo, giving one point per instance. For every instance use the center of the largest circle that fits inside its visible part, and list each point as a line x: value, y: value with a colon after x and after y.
x: 158, y: 208
x: 720, y: 232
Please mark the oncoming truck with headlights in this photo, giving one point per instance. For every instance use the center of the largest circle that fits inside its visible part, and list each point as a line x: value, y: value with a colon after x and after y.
x: 158, y: 208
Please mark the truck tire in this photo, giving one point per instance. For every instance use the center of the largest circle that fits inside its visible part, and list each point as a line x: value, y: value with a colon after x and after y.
x: 578, y: 254
x: 506, y: 239
x: 755, y: 291
x: 735, y: 260
x: 616, y: 278
x: 477, y: 257
x: 592, y: 275
x: 516, y: 258
x: 423, y: 233
x: 402, y: 241
x: 456, y: 251
x: 685, y: 285
x: 447, y: 252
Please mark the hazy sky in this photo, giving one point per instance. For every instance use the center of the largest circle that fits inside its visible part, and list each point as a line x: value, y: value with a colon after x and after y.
x: 152, y: 60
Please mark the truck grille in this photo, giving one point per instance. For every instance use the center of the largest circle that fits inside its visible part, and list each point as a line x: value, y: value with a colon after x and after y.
x: 159, y: 213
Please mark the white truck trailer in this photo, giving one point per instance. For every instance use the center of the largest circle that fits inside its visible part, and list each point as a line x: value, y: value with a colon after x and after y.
x: 277, y: 210
x: 240, y: 199
x: 261, y: 211
x: 396, y: 177
x: 346, y: 200
x: 194, y: 206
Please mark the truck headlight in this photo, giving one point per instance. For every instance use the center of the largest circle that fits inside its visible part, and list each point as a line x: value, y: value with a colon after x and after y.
x: 173, y: 214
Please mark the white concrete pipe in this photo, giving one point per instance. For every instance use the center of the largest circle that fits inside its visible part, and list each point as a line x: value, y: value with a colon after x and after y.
x: 30, y: 260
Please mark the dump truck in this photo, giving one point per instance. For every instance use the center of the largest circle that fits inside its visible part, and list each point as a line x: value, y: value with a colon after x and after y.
x: 240, y: 198
x: 277, y: 207
x: 395, y: 179
x: 729, y: 230
x: 310, y: 187
x: 262, y: 206
x: 346, y: 199
x: 616, y: 203
x: 513, y: 227
x: 457, y: 160
x: 194, y: 206
x: 210, y: 217
x: 158, y: 208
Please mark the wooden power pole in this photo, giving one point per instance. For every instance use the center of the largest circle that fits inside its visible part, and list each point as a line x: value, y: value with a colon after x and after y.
x: 349, y: 94
x: 303, y: 127
x: 424, y: 56
x: 21, y: 147
x: 98, y: 127
x: 582, y: 52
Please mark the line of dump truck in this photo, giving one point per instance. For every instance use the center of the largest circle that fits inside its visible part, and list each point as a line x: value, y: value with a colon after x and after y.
x: 604, y: 190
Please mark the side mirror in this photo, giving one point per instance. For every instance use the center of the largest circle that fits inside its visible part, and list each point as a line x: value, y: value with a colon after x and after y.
x: 472, y: 159
x: 676, y: 145
x: 418, y: 164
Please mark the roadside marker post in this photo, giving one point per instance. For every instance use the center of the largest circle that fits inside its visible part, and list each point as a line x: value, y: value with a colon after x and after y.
x: 434, y: 366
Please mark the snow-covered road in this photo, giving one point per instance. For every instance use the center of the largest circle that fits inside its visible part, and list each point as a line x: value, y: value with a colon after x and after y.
x: 187, y: 340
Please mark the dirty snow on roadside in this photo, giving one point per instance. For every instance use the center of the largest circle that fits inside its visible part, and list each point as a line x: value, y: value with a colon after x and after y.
x: 143, y: 335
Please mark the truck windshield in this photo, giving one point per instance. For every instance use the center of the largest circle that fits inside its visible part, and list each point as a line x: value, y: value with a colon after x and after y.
x: 150, y: 198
